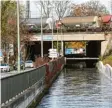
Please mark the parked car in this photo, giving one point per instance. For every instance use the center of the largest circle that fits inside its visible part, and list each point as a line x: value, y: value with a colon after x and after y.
x: 4, y: 67
x: 29, y: 64
x: 22, y: 65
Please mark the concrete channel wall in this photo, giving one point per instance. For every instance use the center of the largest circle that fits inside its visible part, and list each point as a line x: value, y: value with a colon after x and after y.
x: 105, y: 69
x: 106, y: 45
x: 21, y: 90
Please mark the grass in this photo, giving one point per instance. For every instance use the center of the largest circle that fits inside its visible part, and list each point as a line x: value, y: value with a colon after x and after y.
x: 108, y: 60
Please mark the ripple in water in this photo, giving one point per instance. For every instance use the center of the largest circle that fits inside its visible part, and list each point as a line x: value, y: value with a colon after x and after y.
x: 79, y: 89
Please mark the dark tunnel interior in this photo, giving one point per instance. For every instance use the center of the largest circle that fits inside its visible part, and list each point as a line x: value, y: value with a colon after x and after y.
x: 93, y: 49
x: 35, y: 50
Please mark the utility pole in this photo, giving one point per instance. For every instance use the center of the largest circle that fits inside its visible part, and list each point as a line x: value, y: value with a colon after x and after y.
x: 110, y: 6
x: 41, y: 34
x: 0, y: 25
x: 28, y: 9
x: 18, y: 36
x: 61, y: 42
x: 52, y: 27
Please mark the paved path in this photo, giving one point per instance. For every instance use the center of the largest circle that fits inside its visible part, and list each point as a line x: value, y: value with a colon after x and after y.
x: 6, y: 74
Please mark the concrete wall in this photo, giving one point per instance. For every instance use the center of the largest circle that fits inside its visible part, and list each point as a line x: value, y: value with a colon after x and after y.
x: 106, y: 45
x: 105, y: 69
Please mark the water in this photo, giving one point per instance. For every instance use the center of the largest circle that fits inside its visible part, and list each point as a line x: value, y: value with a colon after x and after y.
x: 79, y: 89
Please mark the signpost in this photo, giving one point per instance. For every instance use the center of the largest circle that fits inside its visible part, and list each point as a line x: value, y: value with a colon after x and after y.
x: 53, y: 53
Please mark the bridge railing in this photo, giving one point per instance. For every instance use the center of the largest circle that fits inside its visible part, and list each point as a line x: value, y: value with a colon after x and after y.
x: 15, y: 84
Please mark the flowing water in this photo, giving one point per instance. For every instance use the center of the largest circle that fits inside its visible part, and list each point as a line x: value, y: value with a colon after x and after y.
x: 85, y: 88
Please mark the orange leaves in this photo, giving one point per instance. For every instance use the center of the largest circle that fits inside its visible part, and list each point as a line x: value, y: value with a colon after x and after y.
x: 75, y: 44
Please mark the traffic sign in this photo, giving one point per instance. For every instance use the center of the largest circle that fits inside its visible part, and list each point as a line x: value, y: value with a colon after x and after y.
x: 53, y: 53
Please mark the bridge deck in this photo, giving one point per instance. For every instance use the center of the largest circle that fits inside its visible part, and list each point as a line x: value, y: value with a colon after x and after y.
x: 84, y: 58
x: 69, y: 37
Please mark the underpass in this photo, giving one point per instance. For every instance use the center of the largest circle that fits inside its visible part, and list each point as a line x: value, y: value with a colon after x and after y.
x: 79, y: 87
x: 93, y: 46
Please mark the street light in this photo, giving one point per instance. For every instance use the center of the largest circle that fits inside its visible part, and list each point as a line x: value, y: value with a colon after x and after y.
x: 58, y: 25
x: 41, y: 35
x: 57, y: 37
x: 61, y: 42
x: 18, y: 36
x: 52, y: 27
x: 52, y: 22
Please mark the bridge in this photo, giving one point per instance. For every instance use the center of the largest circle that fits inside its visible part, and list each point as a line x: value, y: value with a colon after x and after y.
x: 93, y: 50
x: 69, y: 37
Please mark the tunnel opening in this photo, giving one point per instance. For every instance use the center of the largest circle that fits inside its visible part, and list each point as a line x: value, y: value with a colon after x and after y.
x: 35, y: 49
x: 92, y: 50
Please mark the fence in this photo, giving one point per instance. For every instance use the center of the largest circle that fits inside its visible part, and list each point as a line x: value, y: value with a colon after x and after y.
x: 15, y: 84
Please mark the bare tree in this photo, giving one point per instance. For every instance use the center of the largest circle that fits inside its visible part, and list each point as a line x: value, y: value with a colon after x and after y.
x: 61, y: 8
x: 96, y: 7
x: 45, y: 6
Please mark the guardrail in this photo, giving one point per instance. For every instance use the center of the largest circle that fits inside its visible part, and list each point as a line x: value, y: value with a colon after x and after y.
x: 15, y: 84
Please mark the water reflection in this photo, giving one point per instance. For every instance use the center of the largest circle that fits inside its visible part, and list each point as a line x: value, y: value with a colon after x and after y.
x: 79, y: 89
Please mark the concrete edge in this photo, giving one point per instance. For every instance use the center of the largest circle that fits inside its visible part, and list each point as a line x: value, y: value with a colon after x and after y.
x: 105, y: 69
x: 38, y: 98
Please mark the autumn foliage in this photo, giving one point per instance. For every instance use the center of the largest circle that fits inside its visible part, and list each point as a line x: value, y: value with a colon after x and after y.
x: 75, y: 44
x: 89, y: 8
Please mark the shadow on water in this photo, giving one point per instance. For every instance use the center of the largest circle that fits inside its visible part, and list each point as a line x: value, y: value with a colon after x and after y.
x: 79, y: 88
x: 81, y: 63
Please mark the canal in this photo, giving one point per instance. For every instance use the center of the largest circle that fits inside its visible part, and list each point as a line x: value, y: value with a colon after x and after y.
x: 77, y: 88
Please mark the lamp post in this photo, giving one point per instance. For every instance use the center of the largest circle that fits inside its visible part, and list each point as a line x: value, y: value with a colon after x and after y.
x: 61, y: 42
x: 58, y: 25
x: 57, y: 39
x: 51, y: 22
x: 18, y: 36
x: 41, y: 35
x: 52, y: 28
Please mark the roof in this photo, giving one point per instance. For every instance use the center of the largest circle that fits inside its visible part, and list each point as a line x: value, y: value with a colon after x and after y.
x: 106, y: 18
x: 77, y: 20
x: 36, y: 21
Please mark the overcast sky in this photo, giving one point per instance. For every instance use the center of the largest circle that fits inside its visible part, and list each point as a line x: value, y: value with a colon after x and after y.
x: 36, y: 13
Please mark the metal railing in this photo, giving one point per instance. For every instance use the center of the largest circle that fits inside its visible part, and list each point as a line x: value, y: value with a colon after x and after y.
x: 15, y: 84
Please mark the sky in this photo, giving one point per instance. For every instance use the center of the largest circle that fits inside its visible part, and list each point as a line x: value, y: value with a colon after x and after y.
x: 36, y: 13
